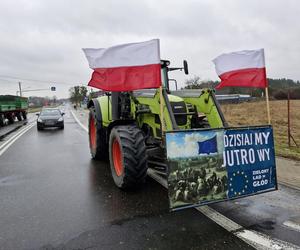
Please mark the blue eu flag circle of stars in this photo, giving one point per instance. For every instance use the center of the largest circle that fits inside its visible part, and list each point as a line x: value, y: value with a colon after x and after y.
x: 238, y: 184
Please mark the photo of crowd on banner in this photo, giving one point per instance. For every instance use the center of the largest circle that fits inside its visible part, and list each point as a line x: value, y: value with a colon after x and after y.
x: 198, y: 178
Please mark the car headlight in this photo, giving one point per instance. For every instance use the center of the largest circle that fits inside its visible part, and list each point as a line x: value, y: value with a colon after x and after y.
x: 40, y: 120
x: 60, y: 119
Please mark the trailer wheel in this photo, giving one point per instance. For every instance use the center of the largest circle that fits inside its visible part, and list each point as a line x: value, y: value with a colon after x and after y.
x: 97, y: 138
x: 24, y: 114
x: 127, y: 155
x: 11, y: 118
x: 2, y: 120
x: 19, y: 116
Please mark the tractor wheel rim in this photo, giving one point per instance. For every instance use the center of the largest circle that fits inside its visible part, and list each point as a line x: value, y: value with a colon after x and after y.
x: 92, y: 133
x: 117, y: 158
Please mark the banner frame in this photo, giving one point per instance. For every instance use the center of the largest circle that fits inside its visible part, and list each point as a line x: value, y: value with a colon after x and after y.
x: 228, y: 199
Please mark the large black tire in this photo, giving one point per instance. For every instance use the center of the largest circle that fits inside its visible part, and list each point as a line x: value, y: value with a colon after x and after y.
x: 2, y: 120
x: 127, y: 155
x: 97, y: 137
x: 19, y: 116
x: 11, y: 118
x: 24, y: 114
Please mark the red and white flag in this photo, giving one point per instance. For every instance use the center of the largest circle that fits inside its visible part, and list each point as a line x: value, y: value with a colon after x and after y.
x: 125, y: 67
x: 242, y: 69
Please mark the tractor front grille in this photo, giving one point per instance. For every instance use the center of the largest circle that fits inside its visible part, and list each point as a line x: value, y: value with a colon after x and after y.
x: 179, y: 110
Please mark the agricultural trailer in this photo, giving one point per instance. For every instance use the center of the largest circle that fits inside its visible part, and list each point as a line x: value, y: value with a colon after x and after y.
x: 12, y: 107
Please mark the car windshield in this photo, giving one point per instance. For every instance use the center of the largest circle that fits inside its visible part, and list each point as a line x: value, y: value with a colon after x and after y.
x: 50, y: 112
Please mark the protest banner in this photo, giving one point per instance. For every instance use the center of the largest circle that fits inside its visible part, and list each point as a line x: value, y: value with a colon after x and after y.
x: 212, y: 165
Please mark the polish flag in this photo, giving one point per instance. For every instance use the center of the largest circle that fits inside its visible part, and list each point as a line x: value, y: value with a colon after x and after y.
x: 125, y: 67
x: 242, y: 69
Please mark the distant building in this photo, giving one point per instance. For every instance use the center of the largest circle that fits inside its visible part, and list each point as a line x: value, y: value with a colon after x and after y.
x: 233, y: 98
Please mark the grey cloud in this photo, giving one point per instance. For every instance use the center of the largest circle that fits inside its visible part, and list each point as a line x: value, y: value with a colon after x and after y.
x: 43, y: 39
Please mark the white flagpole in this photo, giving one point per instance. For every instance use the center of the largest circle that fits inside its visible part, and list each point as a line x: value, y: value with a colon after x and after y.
x: 268, y: 105
x: 267, y: 91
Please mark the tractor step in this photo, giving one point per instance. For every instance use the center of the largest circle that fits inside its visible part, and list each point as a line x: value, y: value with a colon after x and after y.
x: 161, y: 173
x: 158, y: 163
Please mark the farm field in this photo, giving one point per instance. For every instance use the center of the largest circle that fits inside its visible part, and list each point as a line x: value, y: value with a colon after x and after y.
x: 255, y: 113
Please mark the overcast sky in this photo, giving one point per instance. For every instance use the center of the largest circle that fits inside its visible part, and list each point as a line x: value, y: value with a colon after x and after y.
x: 41, y: 41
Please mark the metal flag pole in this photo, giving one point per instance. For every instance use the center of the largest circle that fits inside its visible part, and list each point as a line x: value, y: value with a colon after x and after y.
x: 162, y: 110
x: 268, y: 105
x: 267, y: 91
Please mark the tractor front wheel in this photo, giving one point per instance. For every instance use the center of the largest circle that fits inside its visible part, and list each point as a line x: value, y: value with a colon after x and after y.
x: 127, y: 155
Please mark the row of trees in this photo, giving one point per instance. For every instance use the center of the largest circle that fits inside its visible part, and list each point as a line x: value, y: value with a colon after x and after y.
x: 278, y: 88
x: 36, y: 101
x: 78, y: 94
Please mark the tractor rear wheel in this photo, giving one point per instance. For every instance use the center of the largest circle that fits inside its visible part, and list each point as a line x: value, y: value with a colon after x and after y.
x: 127, y: 155
x: 97, y: 138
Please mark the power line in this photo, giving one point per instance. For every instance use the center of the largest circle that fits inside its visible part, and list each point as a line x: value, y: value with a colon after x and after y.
x: 36, y: 80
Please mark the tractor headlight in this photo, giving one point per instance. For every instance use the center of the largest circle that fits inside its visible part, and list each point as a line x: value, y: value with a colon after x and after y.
x: 39, y: 120
x: 60, y: 119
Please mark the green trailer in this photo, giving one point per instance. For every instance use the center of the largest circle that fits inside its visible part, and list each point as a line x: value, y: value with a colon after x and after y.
x: 12, y: 107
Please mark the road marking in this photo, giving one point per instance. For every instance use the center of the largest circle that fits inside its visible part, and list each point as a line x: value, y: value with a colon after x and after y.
x: 255, y: 239
x: 15, y: 137
x: 77, y: 120
x: 294, y: 226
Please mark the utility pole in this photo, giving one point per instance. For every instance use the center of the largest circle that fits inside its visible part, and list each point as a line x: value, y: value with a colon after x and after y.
x: 20, y: 88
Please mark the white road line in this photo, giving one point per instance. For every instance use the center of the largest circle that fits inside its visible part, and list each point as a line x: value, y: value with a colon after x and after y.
x: 255, y: 239
x: 292, y: 225
x: 9, y: 142
x: 15, y: 135
x: 77, y: 120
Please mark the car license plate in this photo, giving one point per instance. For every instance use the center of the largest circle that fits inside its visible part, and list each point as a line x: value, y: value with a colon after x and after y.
x: 49, y: 122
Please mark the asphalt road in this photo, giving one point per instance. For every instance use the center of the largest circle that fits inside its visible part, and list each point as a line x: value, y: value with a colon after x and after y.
x: 271, y: 216
x: 53, y: 196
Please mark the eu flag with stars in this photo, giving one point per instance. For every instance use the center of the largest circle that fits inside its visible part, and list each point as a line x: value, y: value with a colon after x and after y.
x: 209, y: 146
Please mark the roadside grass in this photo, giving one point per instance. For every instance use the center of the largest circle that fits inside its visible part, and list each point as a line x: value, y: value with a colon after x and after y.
x: 255, y: 113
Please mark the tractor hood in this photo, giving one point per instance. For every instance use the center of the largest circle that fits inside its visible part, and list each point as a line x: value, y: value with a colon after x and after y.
x: 174, y: 98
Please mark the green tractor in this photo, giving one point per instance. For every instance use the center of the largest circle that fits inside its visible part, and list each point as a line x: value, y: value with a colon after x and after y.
x: 128, y: 128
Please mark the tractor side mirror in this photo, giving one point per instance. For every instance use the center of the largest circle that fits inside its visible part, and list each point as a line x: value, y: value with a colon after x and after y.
x: 185, y: 67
